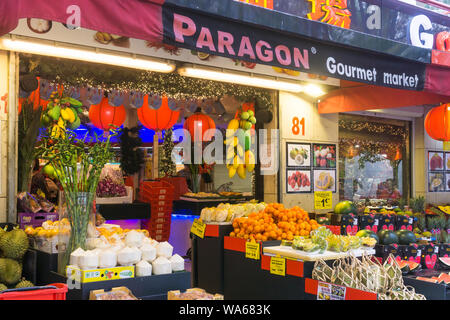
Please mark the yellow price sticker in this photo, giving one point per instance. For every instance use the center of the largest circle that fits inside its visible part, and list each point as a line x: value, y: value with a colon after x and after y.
x: 278, y: 266
x: 323, y: 200
x: 445, y: 209
x: 252, y: 250
x: 198, y: 228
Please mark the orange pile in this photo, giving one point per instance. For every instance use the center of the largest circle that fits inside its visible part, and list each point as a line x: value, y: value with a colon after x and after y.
x: 274, y: 223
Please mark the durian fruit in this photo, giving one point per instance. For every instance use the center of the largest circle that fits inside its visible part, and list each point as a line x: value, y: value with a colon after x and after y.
x: 24, y: 284
x: 14, y: 244
x: 10, y: 271
x: 3, y: 287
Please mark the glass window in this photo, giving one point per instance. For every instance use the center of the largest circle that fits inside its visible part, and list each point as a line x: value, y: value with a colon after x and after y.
x: 373, y: 159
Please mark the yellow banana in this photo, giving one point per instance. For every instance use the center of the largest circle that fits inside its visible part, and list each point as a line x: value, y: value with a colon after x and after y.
x: 231, y: 172
x: 233, y: 124
x: 241, y: 171
x: 250, y: 160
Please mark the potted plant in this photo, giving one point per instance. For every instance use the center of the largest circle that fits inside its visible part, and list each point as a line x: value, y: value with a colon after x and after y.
x: 77, y: 164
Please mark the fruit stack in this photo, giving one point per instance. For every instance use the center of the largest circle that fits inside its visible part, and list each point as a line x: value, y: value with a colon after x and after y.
x: 60, y: 113
x: 240, y: 158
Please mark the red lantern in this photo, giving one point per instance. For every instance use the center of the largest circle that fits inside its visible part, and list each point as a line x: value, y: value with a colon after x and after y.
x: 160, y: 119
x: 105, y: 116
x: 437, y: 123
x: 199, y: 123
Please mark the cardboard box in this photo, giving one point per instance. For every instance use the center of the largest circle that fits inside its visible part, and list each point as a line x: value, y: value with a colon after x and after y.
x: 444, y: 250
x: 29, y: 219
x: 349, y: 224
x: 118, y: 293
x: 430, y: 254
x: 385, y: 222
x: 369, y: 222
x: 404, y: 222
x: 103, y: 274
x: 413, y: 252
x: 193, y: 294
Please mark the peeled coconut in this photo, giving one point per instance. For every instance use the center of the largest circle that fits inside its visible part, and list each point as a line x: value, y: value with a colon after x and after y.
x: 164, y: 249
x: 107, y: 258
x: 161, y: 265
x: 125, y: 256
x: 177, y: 262
x: 88, y: 260
x: 143, y: 269
x: 134, y: 238
x: 74, y: 256
x: 148, y: 252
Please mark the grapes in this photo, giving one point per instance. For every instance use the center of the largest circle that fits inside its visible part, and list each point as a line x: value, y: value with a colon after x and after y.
x: 107, y: 188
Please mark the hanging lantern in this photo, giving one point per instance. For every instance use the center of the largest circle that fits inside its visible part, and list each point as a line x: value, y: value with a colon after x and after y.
x: 199, y: 123
x: 157, y: 119
x: 398, y: 154
x: 105, y: 116
x: 437, y: 124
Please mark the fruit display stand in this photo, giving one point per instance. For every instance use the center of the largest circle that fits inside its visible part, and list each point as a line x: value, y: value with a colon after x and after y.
x: 208, y: 257
x: 154, y: 287
x: 432, y: 291
x: 194, y: 206
x: 243, y: 277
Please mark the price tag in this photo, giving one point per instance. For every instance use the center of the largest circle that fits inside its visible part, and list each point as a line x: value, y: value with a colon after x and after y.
x: 355, y: 222
x: 419, y: 252
x: 323, y: 200
x: 375, y: 222
x: 410, y: 220
x: 198, y: 228
x: 278, y: 266
x: 252, y: 250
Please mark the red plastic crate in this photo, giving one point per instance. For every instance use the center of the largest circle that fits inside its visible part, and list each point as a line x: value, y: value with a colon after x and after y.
x: 149, y: 196
x: 39, y: 294
x: 157, y: 187
x: 161, y: 236
x: 160, y: 223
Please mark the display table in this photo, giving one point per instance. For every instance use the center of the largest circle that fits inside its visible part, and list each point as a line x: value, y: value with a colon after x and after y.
x: 154, y: 287
x: 194, y: 206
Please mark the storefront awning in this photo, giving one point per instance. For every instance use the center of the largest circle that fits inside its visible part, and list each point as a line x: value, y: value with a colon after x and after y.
x: 348, y: 54
x: 353, y: 96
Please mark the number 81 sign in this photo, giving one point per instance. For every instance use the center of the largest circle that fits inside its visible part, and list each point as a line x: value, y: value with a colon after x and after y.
x: 298, y: 126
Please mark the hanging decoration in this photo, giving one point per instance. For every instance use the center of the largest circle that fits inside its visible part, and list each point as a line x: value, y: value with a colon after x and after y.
x: 437, y: 124
x: 167, y: 167
x: 202, y: 122
x: 160, y: 119
x: 106, y: 117
x: 171, y: 85
x: 373, y: 127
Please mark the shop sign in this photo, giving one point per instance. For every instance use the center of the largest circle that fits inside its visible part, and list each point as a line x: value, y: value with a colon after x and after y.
x: 198, y: 228
x: 387, y: 19
x: 242, y: 42
x: 323, y: 200
x: 278, y: 266
x: 252, y: 250
x: 328, y: 291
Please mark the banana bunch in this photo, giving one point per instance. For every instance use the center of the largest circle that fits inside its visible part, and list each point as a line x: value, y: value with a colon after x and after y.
x: 239, y: 158
x: 61, y: 112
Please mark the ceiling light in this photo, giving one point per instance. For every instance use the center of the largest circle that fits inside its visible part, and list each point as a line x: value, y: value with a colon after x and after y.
x: 246, y: 80
x: 85, y: 55
x: 313, y: 90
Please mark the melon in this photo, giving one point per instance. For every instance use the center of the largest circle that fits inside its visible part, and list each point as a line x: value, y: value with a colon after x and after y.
x: 413, y: 266
x: 367, y: 233
x: 406, y: 236
x: 404, y: 266
x: 444, y: 277
x: 345, y: 207
x: 444, y: 262
x: 387, y: 236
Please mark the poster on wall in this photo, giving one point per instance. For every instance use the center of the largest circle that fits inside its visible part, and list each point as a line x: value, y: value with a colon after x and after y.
x: 325, y: 180
x: 436, y: 182
x: 447, y: 161
x: 298, y: 181
x: 298, y: 154
x: 447, y: 184
x: 324, y: 155
x: 435, y: 161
